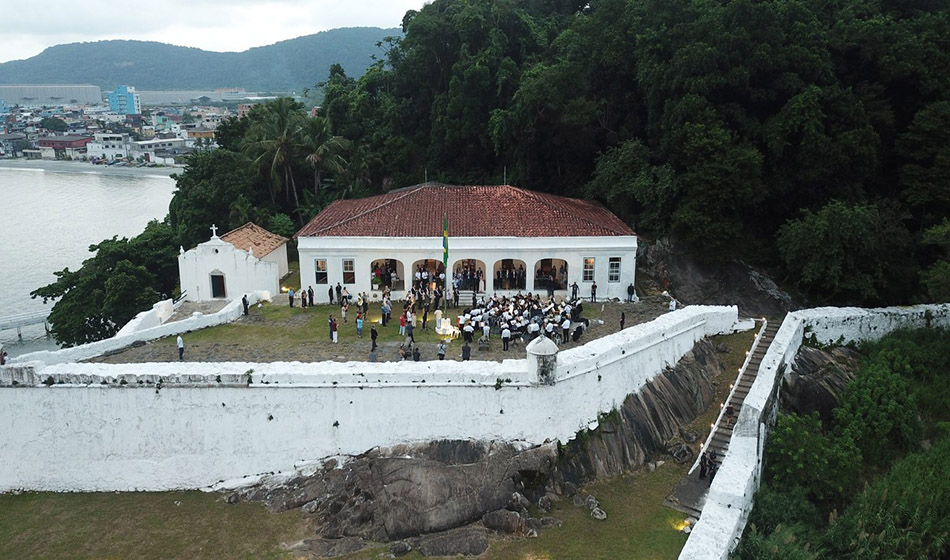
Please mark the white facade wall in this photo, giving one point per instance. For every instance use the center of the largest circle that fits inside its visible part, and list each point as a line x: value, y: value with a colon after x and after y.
x: 730, y: 498
x: 108, y: 146
x: 279, y: 257
x: 489, y: 250
x: 243, y: 273
x: 196, y: 430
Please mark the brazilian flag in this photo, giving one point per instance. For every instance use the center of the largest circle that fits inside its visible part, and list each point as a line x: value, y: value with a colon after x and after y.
x: 445, y: 243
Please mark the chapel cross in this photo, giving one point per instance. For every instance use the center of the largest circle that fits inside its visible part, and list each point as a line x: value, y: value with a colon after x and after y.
x: 214, y: 230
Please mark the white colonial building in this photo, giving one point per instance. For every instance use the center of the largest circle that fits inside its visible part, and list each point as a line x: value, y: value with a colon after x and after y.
x: 518, y: 240
x: 243, y: 260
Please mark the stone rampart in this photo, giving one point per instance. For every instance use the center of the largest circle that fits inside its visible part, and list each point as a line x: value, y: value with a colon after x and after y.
x: 100, y: 427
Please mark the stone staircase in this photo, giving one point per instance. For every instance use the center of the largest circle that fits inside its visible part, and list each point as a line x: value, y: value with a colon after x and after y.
x: 720, y: 440
x: 690, y: 494
x: 465, y: 297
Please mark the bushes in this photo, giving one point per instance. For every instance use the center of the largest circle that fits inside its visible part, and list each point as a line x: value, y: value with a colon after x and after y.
x: 826, y: 466
x: 880, y: 413
x: 812, y: 471
x: 903, y: 514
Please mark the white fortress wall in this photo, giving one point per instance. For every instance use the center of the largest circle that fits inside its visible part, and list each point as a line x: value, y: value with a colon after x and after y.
x: 144, y: 326
x: 82, y: 435
x: 731, y: 493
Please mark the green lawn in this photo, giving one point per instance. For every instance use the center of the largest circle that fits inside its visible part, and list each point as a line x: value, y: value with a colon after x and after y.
x: 186, y: 525
x: 151, y: 525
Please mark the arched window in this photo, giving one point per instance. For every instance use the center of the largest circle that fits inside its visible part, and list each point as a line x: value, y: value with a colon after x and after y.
x: 509, y: 274
x: 550, y: 275
x: 469, y: 275
x: 387, y: 273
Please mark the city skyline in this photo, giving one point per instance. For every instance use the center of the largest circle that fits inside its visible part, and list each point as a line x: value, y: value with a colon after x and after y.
x: 213, y: 25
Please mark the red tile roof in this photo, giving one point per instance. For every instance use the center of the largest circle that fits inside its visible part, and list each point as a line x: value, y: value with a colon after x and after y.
x: 472, y: 211
x: 253, y: 235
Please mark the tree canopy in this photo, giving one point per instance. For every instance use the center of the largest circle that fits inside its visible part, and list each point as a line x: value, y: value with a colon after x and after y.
x: 805, y: 136
x: 728, y: 125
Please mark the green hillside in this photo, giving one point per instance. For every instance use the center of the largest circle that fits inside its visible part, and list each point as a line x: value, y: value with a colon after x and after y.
x: 283, y: 66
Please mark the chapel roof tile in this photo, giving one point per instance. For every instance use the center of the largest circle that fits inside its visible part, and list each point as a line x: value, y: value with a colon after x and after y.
x: 253, y: 235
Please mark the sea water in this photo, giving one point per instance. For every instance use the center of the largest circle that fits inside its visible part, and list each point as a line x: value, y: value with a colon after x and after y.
x: 48, y: 220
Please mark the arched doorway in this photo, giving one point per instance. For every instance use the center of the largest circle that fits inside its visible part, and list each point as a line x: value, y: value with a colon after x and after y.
x: 427, y: 272
x: 387, y: 273
x: 509, y: 274
x: 550, y: 275
x: 470, y: 274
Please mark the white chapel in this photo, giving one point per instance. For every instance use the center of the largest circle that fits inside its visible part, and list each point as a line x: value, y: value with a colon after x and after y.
x: 243, y: 260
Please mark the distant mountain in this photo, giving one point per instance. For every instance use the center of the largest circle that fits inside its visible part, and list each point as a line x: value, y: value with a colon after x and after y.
x: 287, y: 65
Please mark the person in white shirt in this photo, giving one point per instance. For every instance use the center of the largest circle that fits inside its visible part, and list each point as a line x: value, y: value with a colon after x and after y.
x: 505, y: 337
x: 566, y: 327
x: 181, y: 349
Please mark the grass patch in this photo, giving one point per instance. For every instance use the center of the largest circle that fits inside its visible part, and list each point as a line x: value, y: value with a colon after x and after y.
x: 637, y: 527
x: 143, y: 525
x: 282, y: 325
x: 150, y: 525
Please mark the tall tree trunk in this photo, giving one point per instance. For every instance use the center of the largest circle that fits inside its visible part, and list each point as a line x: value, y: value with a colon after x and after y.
x: 293, y: 187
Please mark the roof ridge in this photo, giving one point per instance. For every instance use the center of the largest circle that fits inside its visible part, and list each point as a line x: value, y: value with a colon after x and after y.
x: 398, y: 197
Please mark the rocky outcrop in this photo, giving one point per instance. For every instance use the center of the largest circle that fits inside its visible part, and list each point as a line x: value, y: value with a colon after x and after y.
x: 818, y: 379
x: 648, y: 423
x: 427, y: 489
x: 714, y: 283
x: 389, y: 494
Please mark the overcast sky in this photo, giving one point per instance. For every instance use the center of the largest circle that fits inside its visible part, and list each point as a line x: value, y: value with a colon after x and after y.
x: 214, y: 25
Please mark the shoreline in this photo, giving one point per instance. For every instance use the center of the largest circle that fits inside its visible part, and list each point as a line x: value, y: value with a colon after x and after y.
x: 53, y: 166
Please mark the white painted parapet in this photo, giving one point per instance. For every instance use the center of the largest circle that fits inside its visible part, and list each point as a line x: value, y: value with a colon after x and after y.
x: 145, y: 326
x: 730, y: 498
x: 160, y: 426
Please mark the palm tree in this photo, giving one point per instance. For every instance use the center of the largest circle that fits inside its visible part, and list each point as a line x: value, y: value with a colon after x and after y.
x: 273, y: 142
x: 324, y: 151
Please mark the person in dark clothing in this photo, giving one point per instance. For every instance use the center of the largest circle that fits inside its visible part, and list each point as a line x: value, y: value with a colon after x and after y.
x: 455, y: 297
x: 623, y: 319
x: 703, y: 466
x: 330, y: 294
x: 339, y: 293
x: 466, y: 352
x: 425, y: 317
x: 373, y: 335
x: 593, y: 292
x: 416, y: 356
x: 630, y: 291
x: 244, y: 303
x: 310, y: 295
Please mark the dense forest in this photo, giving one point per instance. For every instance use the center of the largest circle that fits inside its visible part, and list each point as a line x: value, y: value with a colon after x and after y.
x: 873, y: 480
x: 808, y: 137
x: 284, y: 66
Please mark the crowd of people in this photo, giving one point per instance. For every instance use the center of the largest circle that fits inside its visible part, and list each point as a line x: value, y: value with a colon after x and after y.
x: 469, y: 277
x: 523, y: 317
x: 519, y: 317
